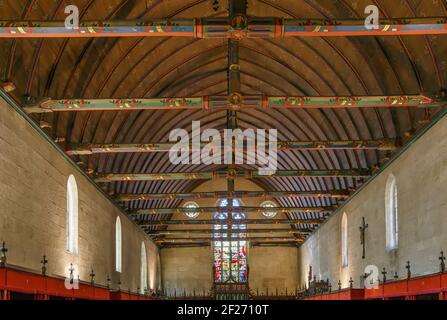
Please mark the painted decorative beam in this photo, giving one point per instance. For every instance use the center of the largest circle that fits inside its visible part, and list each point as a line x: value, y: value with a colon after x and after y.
x: 247, y: 174
x: 237, y: 194
x: 211, y: 231
x: 91, y: 148
x: 182, y: 210
x: 200, y: 239
x: 234, y: 102
x: 242, y: 27
x: 208, y: 244
x: 150, y: 223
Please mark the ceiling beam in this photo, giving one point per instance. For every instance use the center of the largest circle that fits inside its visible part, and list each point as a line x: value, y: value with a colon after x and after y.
x: 208, y: 239
x: 211, y: 231
x: 225, y: 174
x: 208, y: 244
x: 91, y: 148
x: 204, y: 210
x: 235, y: 100
x: 244, y: 27
x: 150, y: 223
x: 237, y: 194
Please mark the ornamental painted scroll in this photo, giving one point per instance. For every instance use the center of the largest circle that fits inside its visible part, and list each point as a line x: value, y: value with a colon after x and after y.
x: 239, y: 27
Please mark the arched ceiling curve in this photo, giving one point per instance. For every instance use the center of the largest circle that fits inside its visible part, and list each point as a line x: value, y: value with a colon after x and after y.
x: 153, y: 67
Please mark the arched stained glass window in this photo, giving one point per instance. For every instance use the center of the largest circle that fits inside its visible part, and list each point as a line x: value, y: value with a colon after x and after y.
x: 391, y: 212
x: 118, y: 245
x: 230, y: 256
x: 72, y: 215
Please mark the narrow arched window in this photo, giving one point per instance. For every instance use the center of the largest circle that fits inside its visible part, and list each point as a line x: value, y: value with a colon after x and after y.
x: 72, y: 215
x: 143, y: 269
x: 391, y: 214
x: 118, y: 245
x: 344, y: 240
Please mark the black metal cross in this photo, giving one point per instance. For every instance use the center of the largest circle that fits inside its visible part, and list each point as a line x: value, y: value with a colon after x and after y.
x: 71, y: 269
x: 408, y: 267
x: 3, y: 255
x: 309, y: 276
x: 44, y: 262
x: 442, y: 265
x: 339, y: 285
x: 384, y: 273
x: 351, y: 283
x: 363, y: 228
x: 92, y: 277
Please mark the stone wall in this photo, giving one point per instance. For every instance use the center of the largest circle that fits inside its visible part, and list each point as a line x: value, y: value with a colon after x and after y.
x: 421, y: 176
x: 33, y: 183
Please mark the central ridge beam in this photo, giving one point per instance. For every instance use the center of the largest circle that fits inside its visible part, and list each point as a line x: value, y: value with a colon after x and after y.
x: 86, y: 149
x: 150, y: 223
x: 237, y: 194
x: 225, y: 174
x: 246, y: 27
x: 182, y: 210
x: 236, y: 100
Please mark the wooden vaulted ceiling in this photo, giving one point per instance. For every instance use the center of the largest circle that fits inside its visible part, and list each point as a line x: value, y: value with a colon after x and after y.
x: 165, y: 67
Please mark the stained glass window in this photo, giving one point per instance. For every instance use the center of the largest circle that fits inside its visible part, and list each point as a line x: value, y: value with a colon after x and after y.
x: 191, y: 204
x: 267, y: 213
x: 230, y: 256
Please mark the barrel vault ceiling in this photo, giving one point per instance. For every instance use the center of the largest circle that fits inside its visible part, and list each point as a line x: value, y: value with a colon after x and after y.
x: 137, y: 67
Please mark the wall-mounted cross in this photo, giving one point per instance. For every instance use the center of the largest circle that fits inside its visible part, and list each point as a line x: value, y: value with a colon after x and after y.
x: 442, y: 264
x: 92, y: 277
x: 363, y: 228
x: 71, y: 269
x: 384, y: 273
x: 44, y: 262
x: 3, y: 251
x: 408, y: 267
